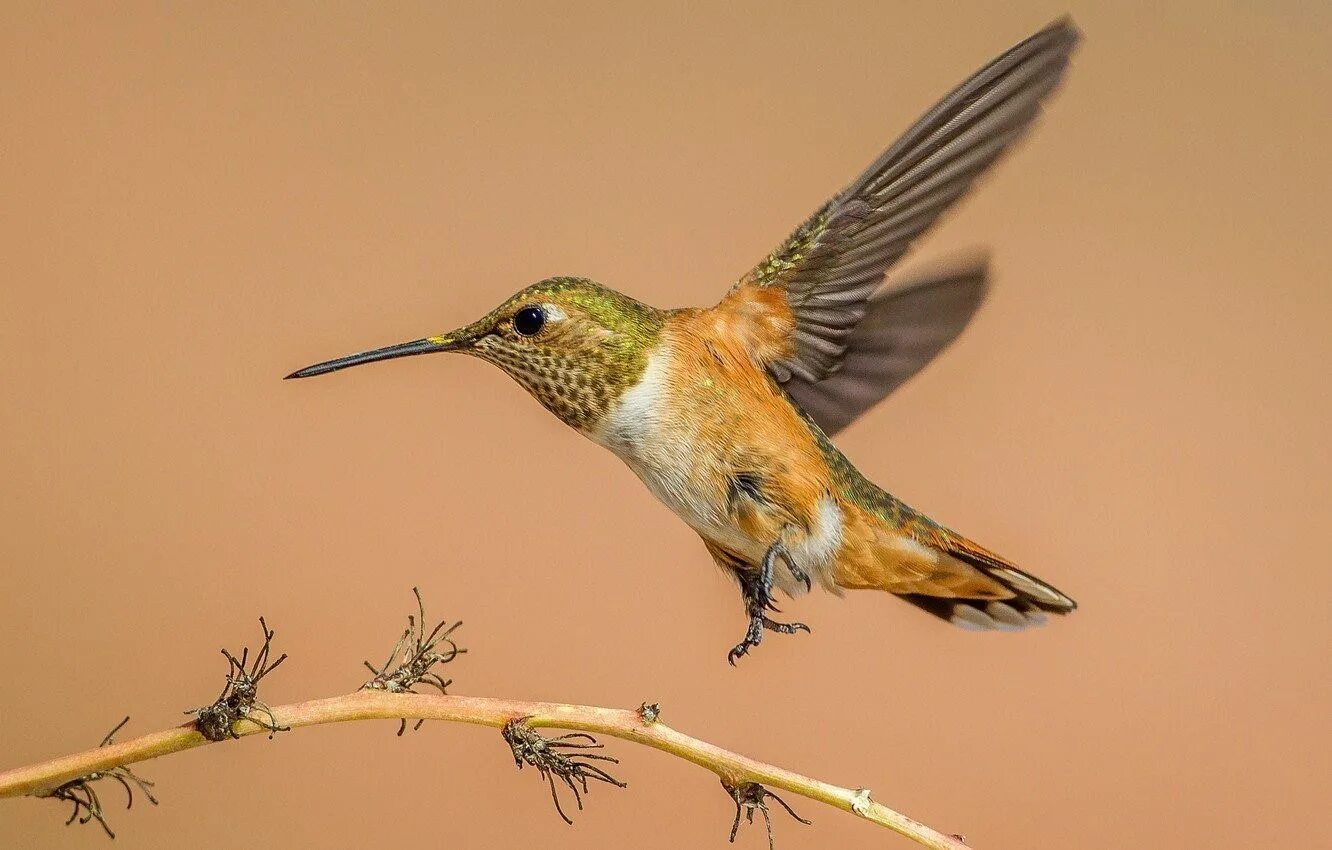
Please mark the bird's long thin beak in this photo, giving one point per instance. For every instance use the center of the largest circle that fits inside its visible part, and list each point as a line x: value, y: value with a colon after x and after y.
x: 447, y: 342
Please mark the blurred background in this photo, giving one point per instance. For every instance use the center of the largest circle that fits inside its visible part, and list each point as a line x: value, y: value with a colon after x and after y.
x: 199, y: 199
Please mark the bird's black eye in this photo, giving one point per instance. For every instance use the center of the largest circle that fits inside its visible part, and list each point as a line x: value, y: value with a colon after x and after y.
x: 529, y: 321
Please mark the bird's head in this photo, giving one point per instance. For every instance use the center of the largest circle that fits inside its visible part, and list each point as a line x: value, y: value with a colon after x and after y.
x: 574, y: 344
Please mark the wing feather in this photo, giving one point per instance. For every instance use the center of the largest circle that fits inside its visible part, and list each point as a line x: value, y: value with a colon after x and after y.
x: 904, y: 328
x: 831, y: 267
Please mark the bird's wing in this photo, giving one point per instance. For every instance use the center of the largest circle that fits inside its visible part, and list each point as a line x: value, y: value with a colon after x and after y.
x: 903, y: 328
x: 831, y: 266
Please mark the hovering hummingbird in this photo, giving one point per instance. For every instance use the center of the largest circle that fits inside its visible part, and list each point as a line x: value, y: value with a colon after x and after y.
x: 726, y: 412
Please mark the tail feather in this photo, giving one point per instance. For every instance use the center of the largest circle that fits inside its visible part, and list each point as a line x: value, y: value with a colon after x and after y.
x: 955, y: 580
x: 1032, y: 599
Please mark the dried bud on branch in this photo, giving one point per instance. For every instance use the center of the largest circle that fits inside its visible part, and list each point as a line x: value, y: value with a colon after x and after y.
x: 750, y: 797
x: 83, y: 796
x: 649, y: 712
x: 412, y: 658
x: 239, y: 699
x: 573, y: 768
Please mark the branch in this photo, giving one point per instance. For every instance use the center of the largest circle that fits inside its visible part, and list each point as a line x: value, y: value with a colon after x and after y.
x: 735, y: 770
x: 574, y: 758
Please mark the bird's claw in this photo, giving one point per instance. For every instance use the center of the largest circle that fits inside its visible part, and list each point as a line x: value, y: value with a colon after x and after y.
x: 753, y: 637
x: 801, y: 576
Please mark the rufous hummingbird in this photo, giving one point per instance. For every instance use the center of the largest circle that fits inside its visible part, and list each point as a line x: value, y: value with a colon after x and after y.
x: 726, y: 412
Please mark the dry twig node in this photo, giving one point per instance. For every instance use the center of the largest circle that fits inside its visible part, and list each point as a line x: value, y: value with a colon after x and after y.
x: 83, y: 796
x: 750, y: 797
x: 548, y: 756
x: 412, y: 658
x: 239, y: 699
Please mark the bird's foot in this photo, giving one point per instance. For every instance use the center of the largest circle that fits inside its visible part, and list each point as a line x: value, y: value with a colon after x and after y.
x: 753, y: 637
x: 757, y: 592
x: 754, y: 634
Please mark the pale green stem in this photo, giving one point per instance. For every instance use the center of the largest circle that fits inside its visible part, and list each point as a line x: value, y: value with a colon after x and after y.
x: 732, y: 768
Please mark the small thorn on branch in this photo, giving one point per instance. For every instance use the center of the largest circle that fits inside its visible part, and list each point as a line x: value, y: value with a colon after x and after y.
x: 547, y: 755
x: 83, y: 796
x: 750, y: 797
x: 412, y: 658
x: 239, y: 699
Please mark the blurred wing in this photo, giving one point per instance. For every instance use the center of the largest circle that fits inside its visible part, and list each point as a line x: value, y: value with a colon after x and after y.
x: 903, y: 329
x: 833, y: 263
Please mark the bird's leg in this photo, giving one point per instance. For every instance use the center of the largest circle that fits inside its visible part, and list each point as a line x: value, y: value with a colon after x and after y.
x: 775, y: 551
x: 796, y: 572
x: 756, y: 589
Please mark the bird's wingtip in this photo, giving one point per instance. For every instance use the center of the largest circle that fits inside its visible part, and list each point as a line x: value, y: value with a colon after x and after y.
x: 1066, y: 27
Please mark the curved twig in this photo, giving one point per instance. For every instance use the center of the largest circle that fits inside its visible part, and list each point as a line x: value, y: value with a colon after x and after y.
x: 732, y: 768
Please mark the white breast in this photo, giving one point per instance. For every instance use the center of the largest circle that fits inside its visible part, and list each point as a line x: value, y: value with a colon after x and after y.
x: 665, y: 457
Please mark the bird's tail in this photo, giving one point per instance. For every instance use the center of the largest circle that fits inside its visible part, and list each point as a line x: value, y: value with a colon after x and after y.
x: 958, y: 581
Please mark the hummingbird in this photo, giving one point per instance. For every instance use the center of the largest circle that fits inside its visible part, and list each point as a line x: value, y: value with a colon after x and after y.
x: 726, y: 413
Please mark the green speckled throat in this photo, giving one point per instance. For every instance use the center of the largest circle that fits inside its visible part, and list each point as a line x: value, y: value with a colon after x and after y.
x: 593, y: 346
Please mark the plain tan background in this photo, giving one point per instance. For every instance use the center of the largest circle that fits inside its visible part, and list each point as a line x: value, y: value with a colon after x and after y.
x: 198, y: 199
